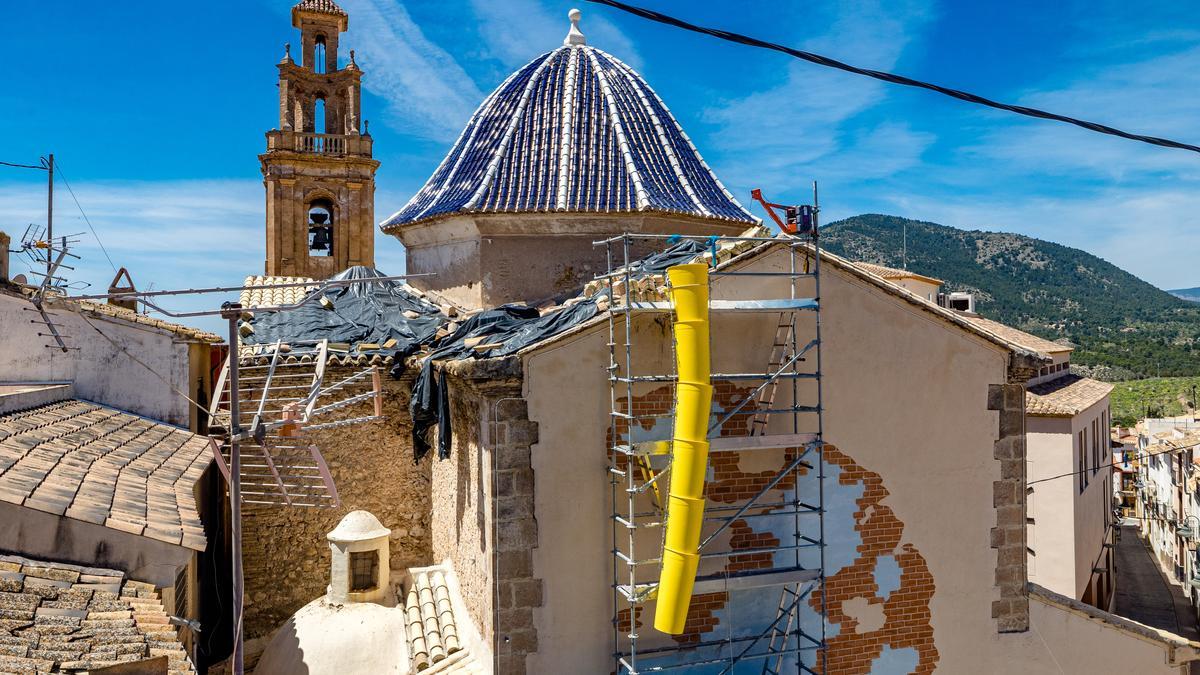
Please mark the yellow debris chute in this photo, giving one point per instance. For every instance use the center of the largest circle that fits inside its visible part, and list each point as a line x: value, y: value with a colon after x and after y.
x: 689, y: 447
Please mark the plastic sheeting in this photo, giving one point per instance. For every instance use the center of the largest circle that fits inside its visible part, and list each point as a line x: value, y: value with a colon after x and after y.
x: 509, y: 328
x: 371, y: 312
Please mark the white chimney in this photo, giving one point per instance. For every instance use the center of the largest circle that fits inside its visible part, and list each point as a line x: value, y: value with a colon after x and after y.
x: 359, y: 553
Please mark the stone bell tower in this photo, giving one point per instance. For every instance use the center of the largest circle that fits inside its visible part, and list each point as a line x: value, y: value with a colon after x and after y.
x: 318, y: 170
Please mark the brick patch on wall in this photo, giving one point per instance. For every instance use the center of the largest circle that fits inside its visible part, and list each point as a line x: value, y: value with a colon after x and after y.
x: 906, y: 610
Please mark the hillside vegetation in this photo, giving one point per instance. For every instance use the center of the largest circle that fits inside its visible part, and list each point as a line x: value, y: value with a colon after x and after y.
x: 1121, y: 325
x: 1153, y: 397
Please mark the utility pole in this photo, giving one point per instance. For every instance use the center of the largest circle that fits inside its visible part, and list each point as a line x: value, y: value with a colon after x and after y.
x: 232, y: 311
x: 904, y: 245
x: 50, y: 210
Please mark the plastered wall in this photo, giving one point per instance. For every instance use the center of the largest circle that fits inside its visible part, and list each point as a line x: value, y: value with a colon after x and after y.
x: 910, y: 506
x: 24, y: 357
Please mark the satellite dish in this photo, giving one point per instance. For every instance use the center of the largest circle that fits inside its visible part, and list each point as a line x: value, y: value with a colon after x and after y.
x: 20, y: 280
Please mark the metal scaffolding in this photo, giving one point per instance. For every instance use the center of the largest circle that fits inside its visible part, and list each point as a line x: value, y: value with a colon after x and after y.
x: 791, y: 499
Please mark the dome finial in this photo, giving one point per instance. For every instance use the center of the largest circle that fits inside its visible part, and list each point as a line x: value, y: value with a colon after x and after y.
x: 574, y: 37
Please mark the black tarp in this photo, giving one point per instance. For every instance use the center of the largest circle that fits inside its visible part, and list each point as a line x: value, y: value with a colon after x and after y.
x: 372, y: 312
x: 511, y: 328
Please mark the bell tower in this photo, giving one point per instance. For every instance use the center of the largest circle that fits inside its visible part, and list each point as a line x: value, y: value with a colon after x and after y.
x: 318, y: 170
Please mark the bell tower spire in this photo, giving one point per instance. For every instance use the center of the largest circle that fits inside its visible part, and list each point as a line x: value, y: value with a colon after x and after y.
x: 318, y: 170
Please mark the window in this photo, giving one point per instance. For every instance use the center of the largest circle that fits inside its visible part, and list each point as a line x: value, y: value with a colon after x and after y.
x: 364, y: 571
x: 1082, y: 455
x: 319, y: 117
x: 1095, y: 446
x: 319, y: 55
x: 320, y: 228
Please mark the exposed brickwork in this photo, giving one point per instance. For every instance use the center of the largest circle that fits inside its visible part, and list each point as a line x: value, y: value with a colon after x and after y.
x: 906, y: 613
x: 1011, y: 610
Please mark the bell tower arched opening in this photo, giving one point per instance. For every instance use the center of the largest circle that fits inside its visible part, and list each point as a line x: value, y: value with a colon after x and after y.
x: 320, y: 228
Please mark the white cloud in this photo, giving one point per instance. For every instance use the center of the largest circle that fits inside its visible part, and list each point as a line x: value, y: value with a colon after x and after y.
x: 428, y: 92
x: 802, y: 119
x: 170, y: 234
x: 515, y: 31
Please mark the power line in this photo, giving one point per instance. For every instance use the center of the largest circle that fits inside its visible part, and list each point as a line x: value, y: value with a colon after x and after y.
x: 59, y: 171
x: 1105, y: 466
x: 891, y: 77
x: 23, y: 166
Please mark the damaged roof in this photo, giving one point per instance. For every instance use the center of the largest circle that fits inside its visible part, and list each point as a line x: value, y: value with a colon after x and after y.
x: 104, y: 466
x: 64, y: 618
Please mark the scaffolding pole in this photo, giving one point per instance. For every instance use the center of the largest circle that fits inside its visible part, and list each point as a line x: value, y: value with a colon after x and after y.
x: 633, y: 477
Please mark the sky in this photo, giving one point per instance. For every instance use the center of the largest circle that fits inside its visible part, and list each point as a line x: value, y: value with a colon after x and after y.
x: 156, y: 113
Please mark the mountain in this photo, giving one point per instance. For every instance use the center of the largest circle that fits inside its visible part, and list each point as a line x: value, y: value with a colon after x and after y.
x: 1192, y: 294
x: 1121, y: 325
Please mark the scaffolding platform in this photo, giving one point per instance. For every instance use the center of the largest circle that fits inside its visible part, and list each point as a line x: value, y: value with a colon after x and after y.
x: 788, y: 564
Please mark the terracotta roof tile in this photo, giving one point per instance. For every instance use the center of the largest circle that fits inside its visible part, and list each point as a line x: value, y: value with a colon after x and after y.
x: 323, y: 6
x: 100, y: 465
x: 112, y: 311
x: 1065, y: 396
x: 56, y: 617
x: 892, y: 272
x: 434, y: 644
x: 1030, y: 342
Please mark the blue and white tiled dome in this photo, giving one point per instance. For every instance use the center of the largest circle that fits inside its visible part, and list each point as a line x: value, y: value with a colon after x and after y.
x: 575, y: 130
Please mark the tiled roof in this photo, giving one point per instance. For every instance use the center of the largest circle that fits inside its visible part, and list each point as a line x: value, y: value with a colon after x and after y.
x: 892, y: 273
x: 104, y: 466
x: 186, y: 332
x: 68, y: 619
x: 265, y: 297
x: 434, y: 644
x: 323, y: 6
x: 575, y: 130
x: 106, y: 311
x: 1030, y: 342
x: 1065, y: 396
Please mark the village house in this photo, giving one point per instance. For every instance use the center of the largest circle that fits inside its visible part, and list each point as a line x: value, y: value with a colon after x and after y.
x: 550, y: 438
x: 100, y: 467
x: 1168, y: 489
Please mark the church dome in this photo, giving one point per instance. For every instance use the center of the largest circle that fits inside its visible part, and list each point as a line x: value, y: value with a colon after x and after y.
x: 575, y: 130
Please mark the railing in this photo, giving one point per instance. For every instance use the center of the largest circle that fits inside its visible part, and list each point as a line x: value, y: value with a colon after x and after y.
x: 324, y: 144
x: 319, y: 144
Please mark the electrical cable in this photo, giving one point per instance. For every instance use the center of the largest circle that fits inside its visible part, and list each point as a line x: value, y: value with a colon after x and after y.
x: 1105, y: 466
x: 58, y: 170
x: 891, y: 77
x: 23, y: 166
x: 155, y: 373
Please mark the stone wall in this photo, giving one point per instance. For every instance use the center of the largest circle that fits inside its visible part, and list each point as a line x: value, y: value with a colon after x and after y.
x: 1011, y: 610
x: 285, y: 551
x: 483, y: 510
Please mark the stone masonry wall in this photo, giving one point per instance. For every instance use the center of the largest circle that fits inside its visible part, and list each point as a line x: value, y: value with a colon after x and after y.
x: 483, y: 506
x: 285, y: 551
x: 1011, y: 610
x: 518, y: 592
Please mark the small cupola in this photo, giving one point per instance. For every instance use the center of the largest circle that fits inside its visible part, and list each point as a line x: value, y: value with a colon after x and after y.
x: 359, y: 553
